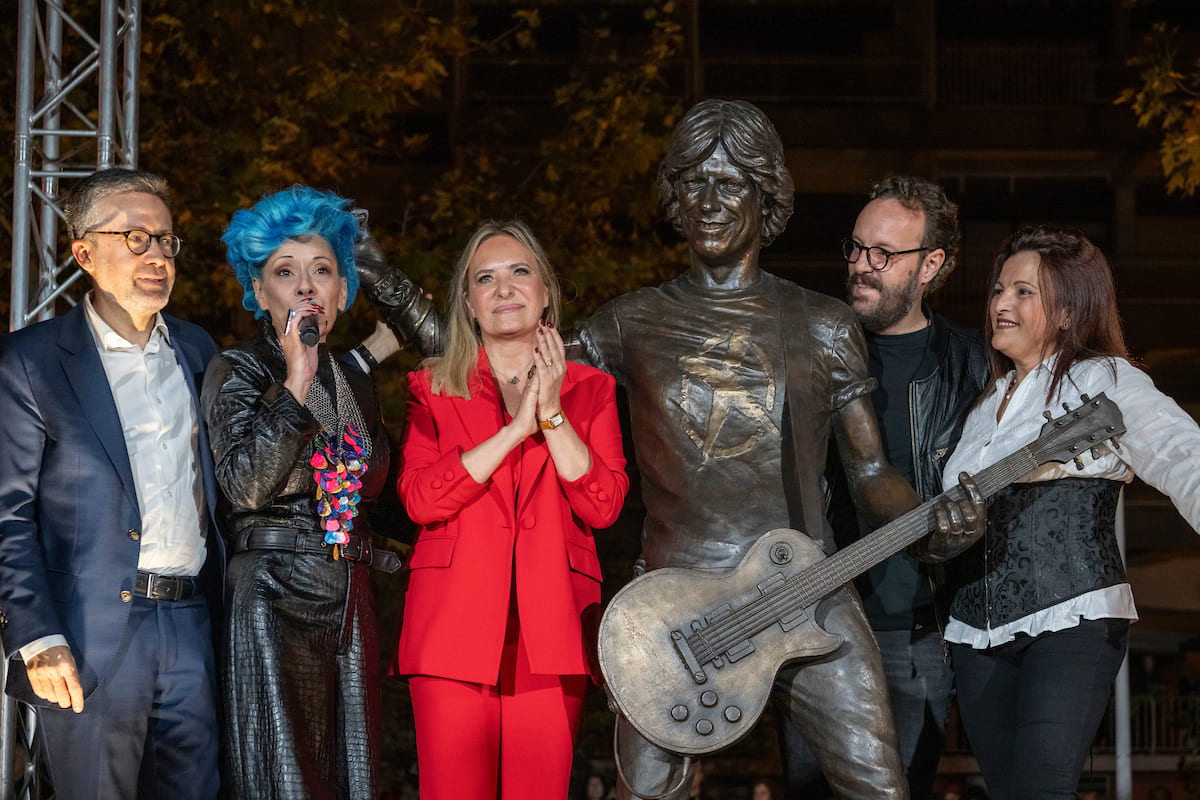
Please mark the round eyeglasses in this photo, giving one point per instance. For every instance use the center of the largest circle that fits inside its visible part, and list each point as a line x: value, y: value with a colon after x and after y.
x: 138, y: 241
x: 877, y: 257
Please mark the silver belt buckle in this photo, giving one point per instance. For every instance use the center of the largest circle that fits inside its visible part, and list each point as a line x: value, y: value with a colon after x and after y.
x: 152, y: 587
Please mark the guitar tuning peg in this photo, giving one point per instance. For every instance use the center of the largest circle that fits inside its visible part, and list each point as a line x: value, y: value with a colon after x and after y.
x: 1047, y: 415
x: 1085, y: 398
x: 1078, y: 463
x: 1066, y: 407
x: 1116, y: 442
x: 1095, y: 451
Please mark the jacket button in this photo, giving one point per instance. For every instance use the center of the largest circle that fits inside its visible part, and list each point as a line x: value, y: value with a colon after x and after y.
x: 449, y: 475
x: 126, y: 595
x: 593, y: 486
x: 134, y: 534
x: 528, y: 523
x: 602, y: 497
x: 436, y: 484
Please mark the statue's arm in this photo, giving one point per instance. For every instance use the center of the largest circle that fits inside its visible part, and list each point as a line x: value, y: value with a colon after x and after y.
x: 879, y: 491
x: 409, y: 314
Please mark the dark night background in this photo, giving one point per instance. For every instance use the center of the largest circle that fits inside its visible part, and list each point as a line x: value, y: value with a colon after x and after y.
x: 437, y: 115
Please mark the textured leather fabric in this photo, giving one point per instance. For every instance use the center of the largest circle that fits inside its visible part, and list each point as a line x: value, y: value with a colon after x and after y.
x: 300, y: 678
x: 1046, y: 542
x: 300, y: 666
x: 952, y: 375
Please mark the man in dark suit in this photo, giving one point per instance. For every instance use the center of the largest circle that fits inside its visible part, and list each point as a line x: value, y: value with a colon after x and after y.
x: 110, y: 561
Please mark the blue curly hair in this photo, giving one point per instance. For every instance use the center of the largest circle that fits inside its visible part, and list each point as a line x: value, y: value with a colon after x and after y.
x: 254, y: 234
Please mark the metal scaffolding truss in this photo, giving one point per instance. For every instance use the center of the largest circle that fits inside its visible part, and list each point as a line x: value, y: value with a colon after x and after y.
x: 84, y: 119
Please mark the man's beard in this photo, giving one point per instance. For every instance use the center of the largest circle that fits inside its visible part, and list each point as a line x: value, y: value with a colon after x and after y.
x: 891, y: 306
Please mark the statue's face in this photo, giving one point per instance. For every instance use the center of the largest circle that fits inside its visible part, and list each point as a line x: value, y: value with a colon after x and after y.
x: 720, y: 209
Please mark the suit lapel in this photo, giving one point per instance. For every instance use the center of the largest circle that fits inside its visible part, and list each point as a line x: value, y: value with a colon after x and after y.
x: 89, y: 383
x: 481, y: 417
x: 191, y: 361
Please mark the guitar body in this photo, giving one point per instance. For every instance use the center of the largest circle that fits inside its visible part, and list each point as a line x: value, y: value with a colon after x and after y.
x: 659, y: 683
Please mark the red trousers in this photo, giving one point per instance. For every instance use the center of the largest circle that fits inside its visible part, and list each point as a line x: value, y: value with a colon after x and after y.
x: 514, y: 740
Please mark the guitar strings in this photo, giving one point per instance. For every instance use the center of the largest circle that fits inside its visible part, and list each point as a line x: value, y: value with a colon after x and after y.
x: 761, y: 613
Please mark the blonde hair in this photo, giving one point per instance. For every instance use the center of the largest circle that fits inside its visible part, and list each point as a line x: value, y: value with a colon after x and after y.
x: 454, y: 372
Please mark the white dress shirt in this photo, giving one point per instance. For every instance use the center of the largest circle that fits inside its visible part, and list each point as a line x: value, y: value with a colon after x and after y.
x: 1161, y: 445
x: 162, y: 434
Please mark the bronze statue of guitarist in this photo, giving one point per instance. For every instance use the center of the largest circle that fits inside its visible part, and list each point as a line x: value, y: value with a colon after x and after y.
x: 736, y: 381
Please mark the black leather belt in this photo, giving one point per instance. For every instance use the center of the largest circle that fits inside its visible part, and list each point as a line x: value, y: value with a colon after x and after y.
x: 358, y: 549
x: 164, y: 587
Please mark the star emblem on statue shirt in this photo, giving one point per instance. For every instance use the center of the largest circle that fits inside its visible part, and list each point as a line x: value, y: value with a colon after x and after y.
x: 740, y: 385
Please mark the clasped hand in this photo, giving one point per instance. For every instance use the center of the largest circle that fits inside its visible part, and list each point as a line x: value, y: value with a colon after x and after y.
x: 541, y: 398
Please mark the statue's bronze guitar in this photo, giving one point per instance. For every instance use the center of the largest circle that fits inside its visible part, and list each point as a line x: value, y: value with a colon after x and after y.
x: 689, y: 658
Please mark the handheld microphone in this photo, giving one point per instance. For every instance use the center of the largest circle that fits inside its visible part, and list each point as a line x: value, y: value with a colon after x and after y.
x: 310, y: 331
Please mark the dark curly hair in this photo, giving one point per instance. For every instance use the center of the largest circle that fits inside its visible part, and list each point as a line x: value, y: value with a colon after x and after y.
x: 941, y: 217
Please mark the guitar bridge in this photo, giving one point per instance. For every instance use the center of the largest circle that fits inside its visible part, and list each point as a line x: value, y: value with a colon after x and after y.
x: 688, y: 657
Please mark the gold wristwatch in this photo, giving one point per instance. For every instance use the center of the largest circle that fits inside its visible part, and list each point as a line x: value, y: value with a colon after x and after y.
x: 552, y: 423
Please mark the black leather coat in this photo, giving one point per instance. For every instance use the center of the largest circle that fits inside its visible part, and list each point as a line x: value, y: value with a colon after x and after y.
x: 299, y: 665
x: 950, y: 377
x: 262, y: 437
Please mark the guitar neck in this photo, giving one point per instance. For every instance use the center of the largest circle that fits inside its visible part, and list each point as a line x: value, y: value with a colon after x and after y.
x: 1061, y: 439
x: 855, y: 559
x: 822, y: 578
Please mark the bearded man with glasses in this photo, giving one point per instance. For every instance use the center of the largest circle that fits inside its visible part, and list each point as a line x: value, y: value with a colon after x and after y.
x: 110, y: 561
x: 929, y: 371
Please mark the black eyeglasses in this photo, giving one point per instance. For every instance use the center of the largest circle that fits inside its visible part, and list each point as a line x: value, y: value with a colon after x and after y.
x: 877, y: 257
x: 138, y: 241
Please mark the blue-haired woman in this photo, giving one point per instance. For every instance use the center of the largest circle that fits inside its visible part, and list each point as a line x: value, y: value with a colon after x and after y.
x: 298, y: 445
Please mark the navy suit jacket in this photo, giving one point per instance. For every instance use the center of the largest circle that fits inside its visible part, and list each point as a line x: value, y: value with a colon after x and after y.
x: 69, y: 519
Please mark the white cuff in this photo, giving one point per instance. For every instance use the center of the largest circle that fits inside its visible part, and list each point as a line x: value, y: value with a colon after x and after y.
x: 39, y: 646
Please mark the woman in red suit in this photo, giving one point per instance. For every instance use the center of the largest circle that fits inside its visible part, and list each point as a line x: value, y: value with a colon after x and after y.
x: 511, y: 455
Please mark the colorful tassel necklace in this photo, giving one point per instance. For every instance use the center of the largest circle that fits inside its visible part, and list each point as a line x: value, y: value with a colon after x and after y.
x: 338, y: 468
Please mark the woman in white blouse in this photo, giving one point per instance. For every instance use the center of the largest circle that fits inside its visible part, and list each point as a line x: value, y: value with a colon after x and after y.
x: 1040, y: 617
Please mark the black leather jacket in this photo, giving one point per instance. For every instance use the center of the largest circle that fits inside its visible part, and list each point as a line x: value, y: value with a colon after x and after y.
x: 951, y: 376
x: 262, y: 437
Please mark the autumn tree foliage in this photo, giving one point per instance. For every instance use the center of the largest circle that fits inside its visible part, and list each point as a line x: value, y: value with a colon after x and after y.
x: 1167, y: 97
x: 243, y: 97
x: 587, y: 187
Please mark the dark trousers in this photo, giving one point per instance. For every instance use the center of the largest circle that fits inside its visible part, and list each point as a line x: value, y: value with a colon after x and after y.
x: 1031, y: 707
x: 149, y: 729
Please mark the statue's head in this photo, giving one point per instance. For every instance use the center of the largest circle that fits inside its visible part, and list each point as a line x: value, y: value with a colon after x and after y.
x: 751, y: 143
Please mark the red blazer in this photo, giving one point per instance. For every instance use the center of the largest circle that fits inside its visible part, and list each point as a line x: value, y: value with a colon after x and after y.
x: 524, y: 523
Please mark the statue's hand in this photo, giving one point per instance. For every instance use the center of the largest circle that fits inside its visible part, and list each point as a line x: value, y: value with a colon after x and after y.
x: 402, y: 305
x: 959, y: 523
